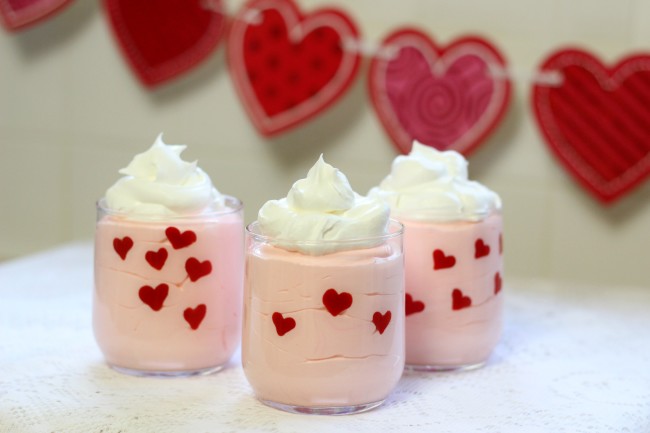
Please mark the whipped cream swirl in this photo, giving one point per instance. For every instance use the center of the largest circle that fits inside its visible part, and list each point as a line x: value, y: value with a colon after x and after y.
x: 159, y: 183
x: 323, y: 207
x: 431, y: 185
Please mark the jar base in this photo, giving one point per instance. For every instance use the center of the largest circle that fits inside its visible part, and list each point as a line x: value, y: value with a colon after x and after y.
x: 443, y: 367
x: 323, y: 410
x: 166, y: 373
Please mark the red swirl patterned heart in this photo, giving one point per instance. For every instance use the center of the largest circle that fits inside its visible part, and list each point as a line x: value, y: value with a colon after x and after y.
x: 194, y: 316
x: 381, y: 321
x: 596, y: 120
x: 164, y: 38
x: 336, y: 302
x: 288, y: 67
x: 446, y: 97
x: 154, y: 298
x: 18, y: 14
x: 283, y: 324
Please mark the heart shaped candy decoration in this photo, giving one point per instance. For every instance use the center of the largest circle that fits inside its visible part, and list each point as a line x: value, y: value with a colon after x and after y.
x: 18, y: 14
x: 164, y: 38
x: 450, y: 98
x: 288, y: 67
x: 596, y: 120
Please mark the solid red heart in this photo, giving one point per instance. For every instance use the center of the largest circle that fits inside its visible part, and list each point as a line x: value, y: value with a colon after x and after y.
x: 335, y: 302
x: 156, y: 259
x: 18, y: 14
x: 122, y: 246
x: 283, y: 324
x: 180, y: 240
x: 196, y: 269
x: 164, y: 38
x: 194, y: 316
x: 596, y: 120
x: 497, y: 283
x: 459, y: 301
x: 154, y: 298
x: 381, y: 321
x: 442, y: 261
x: 450, y: 98
x: 480, y: 249
x: 288, y: 67
x: 411, y: 306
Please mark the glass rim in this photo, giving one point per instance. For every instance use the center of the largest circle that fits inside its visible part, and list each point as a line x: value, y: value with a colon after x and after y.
x: 392, y: 223
x: 233, y: 205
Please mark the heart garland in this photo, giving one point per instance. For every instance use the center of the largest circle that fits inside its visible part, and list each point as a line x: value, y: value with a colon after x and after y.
x: 286, y: 66
x: 448, y: 97
x: 163, y: 39
x: 596, y: 121
x: 18, y: 14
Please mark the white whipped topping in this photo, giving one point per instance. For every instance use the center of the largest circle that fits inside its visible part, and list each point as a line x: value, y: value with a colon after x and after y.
x: 428, y: 184
x: 323, y: 207
x: 159, y: 183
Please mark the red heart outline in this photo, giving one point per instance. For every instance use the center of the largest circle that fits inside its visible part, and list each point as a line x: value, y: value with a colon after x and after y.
x: 156, y: 259
x: 283, y: 324
x: 585, y: 150
x: 120, y: 14
x: 411, y: 306
x: 436, y: 56
x: 335, y: 302
x: 381, y: 321
x: 180, y: 240
x: 459, y: 301
x: 154, y: 298
x: 122, y: 246
x: 196, y: 269
x: 194, y: 316
x: 298, y: 25
x: 17, y: 19
x: 481, y: 249
x: 442, y: 261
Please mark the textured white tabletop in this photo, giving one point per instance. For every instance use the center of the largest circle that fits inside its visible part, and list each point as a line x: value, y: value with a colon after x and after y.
x: 572, y: 359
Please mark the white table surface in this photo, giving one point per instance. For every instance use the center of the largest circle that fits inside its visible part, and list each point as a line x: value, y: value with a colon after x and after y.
x: 572, y: 359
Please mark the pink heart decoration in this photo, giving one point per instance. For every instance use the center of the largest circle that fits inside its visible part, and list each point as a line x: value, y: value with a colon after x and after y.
x: 18, y: 14
x: 450, y: 98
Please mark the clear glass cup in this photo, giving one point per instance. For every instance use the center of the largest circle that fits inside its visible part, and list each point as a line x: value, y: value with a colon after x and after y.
x: 324, y: 334
x: 168, y: 290
x: 454, y: 304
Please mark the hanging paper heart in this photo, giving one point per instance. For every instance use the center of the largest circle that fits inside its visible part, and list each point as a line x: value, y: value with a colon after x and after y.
x: 449, y: 98
x: 288, y: 67
x: 596, y: 120
x: 164, y: 38
x: 17, y: 14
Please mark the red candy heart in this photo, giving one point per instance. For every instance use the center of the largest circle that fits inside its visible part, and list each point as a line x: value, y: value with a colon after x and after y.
x: 154, y: 298
x: 288, y: 67
x: 156, y: 259
x: 459, y: 301
x: 411, y: 306
x: 194, y: 316
x: 283, y: 324
x: 442, y: 261
x: 497, y: 283
x: 180, y: 240
x: 381, y: 321
x: 196, y: 269
x: 336, y: 302
x: 481, y: 249
x: 596, y: 120
x: 122, y: 246
x: 164, y: 38
x: 445, y: 97
x: 17, y: 14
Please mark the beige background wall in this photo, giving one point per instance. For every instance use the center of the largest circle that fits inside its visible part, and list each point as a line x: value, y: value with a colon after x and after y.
x: 72, y: 114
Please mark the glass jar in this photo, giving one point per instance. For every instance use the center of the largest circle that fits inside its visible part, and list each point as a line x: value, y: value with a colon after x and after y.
x: 168, y: 290
x: 454, y: 275
x: 324, y: 333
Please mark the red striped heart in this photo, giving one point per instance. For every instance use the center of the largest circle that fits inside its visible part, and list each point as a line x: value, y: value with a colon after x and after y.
x: 596, y: 121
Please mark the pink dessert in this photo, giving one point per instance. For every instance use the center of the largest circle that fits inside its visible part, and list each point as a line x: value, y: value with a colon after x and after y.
x: 453, y: 301
x: 323, y: 331
x: 161, y: 305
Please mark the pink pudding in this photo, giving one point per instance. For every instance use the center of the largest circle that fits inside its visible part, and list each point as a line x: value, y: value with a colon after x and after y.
x: 323, y: 331
x: 454, y: 306
x: 168, y: 292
